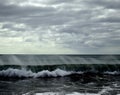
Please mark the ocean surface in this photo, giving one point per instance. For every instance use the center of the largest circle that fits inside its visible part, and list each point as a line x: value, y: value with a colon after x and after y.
x: 59, y: 74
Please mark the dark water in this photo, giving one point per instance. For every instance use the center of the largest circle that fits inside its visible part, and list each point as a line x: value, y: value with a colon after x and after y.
x: 64, y: 85
x: 59, y: 75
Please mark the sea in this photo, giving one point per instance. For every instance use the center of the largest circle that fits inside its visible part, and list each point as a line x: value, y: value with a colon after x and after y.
x: 22, y: 74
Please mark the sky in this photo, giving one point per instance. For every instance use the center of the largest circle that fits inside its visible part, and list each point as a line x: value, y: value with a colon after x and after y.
x: 60, y: 26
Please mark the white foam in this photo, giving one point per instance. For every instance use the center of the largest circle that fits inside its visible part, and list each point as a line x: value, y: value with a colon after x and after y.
x: 74, y: 93
x: 55, y: 73
x: 105, y: 91
x: 28, y: 73
x: 45, y: 73
x: 16, y: 72
x: 111, y: 73
x: 49, y: 93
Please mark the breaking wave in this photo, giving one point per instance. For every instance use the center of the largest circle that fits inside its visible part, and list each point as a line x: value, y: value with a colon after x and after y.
x: 23, y: 73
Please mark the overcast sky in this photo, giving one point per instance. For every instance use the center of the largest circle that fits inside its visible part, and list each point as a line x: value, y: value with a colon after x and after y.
x: 60, y: 26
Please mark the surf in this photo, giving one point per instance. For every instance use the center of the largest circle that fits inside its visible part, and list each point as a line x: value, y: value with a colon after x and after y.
x: 34, y: 66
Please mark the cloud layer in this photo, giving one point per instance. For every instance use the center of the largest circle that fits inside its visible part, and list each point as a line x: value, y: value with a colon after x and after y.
x: 60, y: 26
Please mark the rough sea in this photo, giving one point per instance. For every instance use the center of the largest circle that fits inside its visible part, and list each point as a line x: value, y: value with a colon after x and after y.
x: 59, y: 74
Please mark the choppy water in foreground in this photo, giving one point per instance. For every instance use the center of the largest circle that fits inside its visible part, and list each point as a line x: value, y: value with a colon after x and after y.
x: 73, y: 85
x: 59, y: 75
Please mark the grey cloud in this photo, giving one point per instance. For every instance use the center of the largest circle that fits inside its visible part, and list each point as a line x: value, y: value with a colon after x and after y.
x: 12, y: 27
x: 14, y: 10
x: 111, y: 4
x: 40, y: 15
x: 110, y: 20
x: 81, y: 25
x: 60, y: 1
x: 43, y: 16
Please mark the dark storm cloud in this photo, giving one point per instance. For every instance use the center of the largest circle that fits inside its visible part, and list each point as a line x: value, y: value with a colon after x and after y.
x: 81, y: 25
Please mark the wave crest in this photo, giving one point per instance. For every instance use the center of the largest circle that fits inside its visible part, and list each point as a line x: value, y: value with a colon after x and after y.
x: 23, y: 73
x: 28, y: 73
